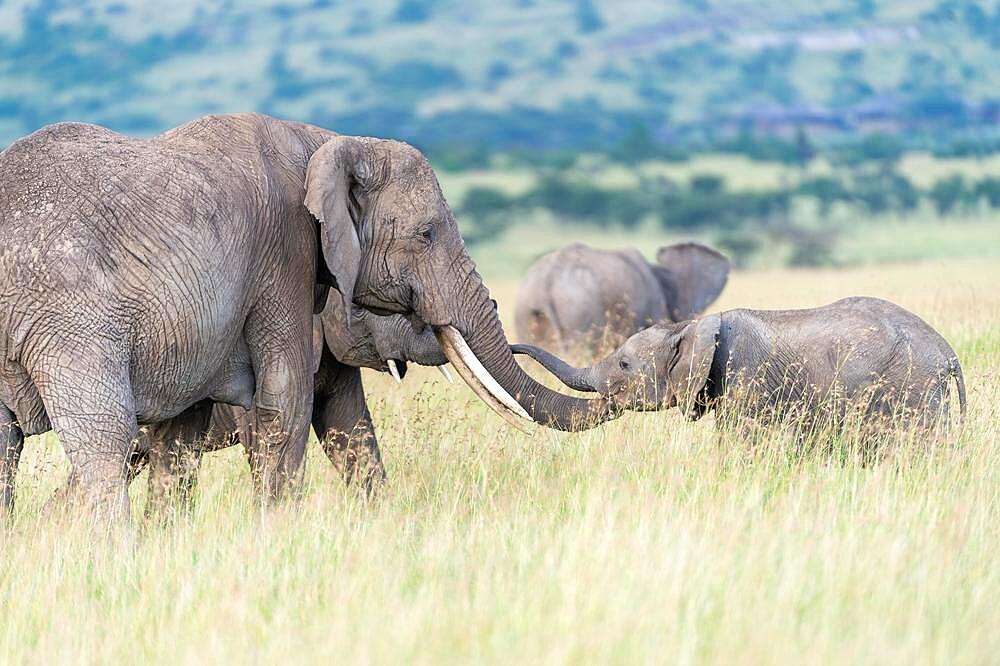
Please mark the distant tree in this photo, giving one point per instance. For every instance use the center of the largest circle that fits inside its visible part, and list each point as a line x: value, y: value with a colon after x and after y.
x: 580, y: 201
x: 827, y: 190
x: 804, y: 150
x: 989, y: 188
x: 588, y: 19
x: 480, y: 201
x: 871, y: 193
x: 739, y: 245
x: 904, y: 193
x: 637, y: 145
x: 488, y: 209
x: 708, y: 184
x: 873, y: 147
x: 947, y: 194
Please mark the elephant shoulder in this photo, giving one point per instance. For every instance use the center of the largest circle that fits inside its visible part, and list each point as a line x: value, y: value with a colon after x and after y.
x: 57, y: 133
x: 61, y: 144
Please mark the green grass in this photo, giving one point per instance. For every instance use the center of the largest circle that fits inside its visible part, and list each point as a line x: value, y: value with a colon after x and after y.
x: 858, y: 242
x: 642, y: 541
x: 740, y: 173
x: 857, y: 238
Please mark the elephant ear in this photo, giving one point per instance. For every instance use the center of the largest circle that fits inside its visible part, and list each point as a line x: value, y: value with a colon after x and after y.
x: 336, y: 192
x: 692, y: 275
x: 696, y: 345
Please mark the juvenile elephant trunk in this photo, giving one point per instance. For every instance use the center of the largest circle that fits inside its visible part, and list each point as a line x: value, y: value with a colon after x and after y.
x: 501, y: 382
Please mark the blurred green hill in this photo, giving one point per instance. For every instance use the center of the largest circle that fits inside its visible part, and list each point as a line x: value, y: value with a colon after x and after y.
x: 468, y: 79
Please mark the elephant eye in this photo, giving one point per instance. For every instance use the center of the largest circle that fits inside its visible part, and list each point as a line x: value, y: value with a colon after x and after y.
x: 426, y: 233
x: 623, y: 364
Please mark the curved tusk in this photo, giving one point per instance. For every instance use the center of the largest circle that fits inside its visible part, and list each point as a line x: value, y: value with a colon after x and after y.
x: 447, y: 375
x: 449, y: 337
x: 394, y: 371
x: 477, y: 387
x: 466, y: 374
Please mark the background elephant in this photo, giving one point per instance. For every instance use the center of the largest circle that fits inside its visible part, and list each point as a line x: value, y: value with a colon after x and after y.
x: 858, y: 352
x: 341, y: 418
x: 583, y: 301
x: 145, y: 277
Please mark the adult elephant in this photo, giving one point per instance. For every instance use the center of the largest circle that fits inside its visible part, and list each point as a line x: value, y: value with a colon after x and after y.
x: 582, y: 300
x: 340, y: 418
x: 144, y: 277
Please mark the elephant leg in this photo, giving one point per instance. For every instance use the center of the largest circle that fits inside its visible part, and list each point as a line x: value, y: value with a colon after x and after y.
x: 278, y: 430
x: 11, y: 444
x: 92, y: 409
x: 344, y: 427
x: 174, y: 457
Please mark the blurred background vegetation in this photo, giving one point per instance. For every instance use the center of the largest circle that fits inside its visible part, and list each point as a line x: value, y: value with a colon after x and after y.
x: 829, y: 132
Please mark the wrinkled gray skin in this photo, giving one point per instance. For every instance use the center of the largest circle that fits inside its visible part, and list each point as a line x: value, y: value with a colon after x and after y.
x: 340, y: 413
x: 772, y: 364
x: 584, y: 301
x: 144, y: 279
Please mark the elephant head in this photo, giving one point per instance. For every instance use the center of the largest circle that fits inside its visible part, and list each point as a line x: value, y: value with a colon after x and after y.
x: 663, y: 366
x: 692, y: 276
x: 391, y: 245
x: 383, y: 343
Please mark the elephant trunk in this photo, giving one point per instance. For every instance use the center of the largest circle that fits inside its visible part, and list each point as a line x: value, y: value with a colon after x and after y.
x: 578, y: 379
x: 481, y: 354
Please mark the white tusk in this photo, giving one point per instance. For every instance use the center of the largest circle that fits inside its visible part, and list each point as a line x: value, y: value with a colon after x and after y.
x: 394, y: 371
x: 477, y: 387
x: 452, y: 340
x: 447, y: 375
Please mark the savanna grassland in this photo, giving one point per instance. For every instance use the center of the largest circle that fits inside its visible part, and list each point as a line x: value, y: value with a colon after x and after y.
x: 644, y: 541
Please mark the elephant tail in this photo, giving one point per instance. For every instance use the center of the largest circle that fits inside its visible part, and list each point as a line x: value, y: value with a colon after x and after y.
x: 955, y: 370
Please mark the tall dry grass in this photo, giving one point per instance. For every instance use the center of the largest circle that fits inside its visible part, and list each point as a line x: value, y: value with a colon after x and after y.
x: 647, y: 540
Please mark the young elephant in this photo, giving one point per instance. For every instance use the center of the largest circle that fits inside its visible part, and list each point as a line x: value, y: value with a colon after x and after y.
x: 340, y: 418
x: 781, y: 364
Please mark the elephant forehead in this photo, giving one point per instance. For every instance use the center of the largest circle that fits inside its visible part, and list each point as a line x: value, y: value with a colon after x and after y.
x: 419, y: 202
x: 647, y: 344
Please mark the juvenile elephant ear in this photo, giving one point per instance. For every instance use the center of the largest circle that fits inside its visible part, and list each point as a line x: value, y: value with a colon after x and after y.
x: 696, y: 351
x: 692, y: 276
x: 336, y: 180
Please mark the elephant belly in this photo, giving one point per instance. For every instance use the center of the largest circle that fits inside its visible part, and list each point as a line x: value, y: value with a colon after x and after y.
x: 204, y: 357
